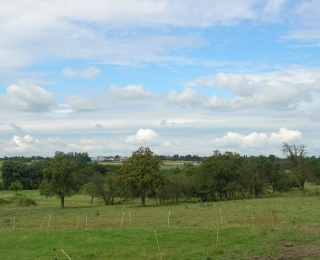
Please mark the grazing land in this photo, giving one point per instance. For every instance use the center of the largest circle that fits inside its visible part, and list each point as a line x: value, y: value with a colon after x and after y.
x: 278, y: 226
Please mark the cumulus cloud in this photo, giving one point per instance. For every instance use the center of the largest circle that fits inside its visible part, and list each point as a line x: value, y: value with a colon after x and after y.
x: 257, y: 140
x: 246, y: 93
x: 190, y: 97
x: 130, y: 92
x: 236, y: 83
x: 28, y: 98
x: 142, y: 136
x: 86, y: 73
x: 187, y: 96
x: 22, y: 144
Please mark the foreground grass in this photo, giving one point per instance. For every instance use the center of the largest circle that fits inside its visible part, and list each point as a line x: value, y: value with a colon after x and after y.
x: 241, y: 229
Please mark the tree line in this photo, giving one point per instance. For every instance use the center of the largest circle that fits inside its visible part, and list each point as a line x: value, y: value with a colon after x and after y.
x: 221, y: 176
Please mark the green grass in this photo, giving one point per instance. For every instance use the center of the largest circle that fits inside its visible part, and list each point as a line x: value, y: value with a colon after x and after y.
x: 94, y: 231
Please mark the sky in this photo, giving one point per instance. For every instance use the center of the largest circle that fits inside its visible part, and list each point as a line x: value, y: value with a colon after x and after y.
x: 180, y: 77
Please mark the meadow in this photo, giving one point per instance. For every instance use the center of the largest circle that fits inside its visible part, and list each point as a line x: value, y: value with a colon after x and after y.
x: 277, y: 226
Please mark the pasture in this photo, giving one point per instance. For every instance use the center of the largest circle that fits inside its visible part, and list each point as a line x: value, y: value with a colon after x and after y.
x: 274, y: 227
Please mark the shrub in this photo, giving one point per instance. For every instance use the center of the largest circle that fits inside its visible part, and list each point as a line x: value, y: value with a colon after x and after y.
x: 3, y: 201
x: 24, y: 202
x: 16, y: 187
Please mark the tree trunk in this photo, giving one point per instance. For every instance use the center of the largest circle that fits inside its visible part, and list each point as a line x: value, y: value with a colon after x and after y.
x: 143, y: 201
x: 303, y: 190
x: 62, y: 202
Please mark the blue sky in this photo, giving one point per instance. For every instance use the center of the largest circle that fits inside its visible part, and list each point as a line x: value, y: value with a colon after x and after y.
x: 186, y: 77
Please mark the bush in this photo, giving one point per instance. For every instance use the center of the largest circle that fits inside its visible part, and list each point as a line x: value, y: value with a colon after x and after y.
x: 24, y: 202
x: 3, y: 201
x: 16, y: 187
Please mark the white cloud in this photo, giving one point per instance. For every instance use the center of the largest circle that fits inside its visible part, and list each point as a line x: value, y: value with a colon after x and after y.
x: 272, y: 10
x: 22, y: 144
x: 214, y: 102
x: 70, y: 72
x: 90, y: 72
x: 28, y: 98
x: 142, y: 136
x: 306, y: 23
x: 77, y: 29
x: 187, y: 96
x: 80, y: 103
x: 257, y: 140
x: 166, y: 143
x: 285, y: 135
x: 236, y: 83
x: 129, y: 92
x: 291, y: 74
x: 307, y: 13
x: 249, y: 93
x: 86, y: 73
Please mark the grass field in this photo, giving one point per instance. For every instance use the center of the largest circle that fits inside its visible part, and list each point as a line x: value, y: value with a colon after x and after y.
x: 241, y: 229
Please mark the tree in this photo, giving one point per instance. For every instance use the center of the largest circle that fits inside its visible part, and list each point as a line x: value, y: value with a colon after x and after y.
x: 15, y: 186
x: 13, y: 171
x: 102, y: 187
x: 218, y: 174
x: 29, y: 175
x: 315, y: 170
x: 81, y: 158
x: 36, y: 173
x: 61, y: 178
x: 296, y: 156
x: 280, y: 180
x: 141, y: 173
x: 256, y: 176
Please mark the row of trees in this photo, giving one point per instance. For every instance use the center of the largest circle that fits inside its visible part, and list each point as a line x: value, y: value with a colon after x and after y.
x: 28, y: 175
x: 221, y: 176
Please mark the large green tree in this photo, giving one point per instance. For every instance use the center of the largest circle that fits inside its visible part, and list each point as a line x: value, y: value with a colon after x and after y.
x: 141, y: 174
x: 218, y: 175
x: 61, y: 178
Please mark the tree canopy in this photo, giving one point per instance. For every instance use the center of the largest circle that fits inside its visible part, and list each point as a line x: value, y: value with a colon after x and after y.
x: 296, y: 155
x: 61, y: 178
x: 141, y: 173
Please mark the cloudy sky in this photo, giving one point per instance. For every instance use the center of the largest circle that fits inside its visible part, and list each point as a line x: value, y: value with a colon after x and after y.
x: 183, y: 76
